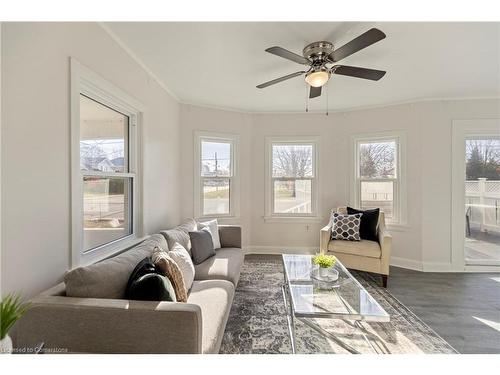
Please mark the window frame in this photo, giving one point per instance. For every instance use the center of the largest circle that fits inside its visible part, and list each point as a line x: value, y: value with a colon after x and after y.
x: 234, y: 201
x: 270, y: 214
x: 399, y: 185
x: 87, y: 83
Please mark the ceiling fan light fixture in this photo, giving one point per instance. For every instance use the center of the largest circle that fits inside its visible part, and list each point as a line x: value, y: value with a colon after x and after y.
x: 317, y: 78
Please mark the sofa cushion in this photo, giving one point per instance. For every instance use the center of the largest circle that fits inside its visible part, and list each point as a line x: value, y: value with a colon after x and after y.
x: 108, y: 278
x: 225, y: 265
x: 215, y: 298
x: 363, y: 248
x: 180, y: 234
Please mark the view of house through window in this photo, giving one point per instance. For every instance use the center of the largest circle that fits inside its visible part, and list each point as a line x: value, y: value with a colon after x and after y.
x: 377, y: 175
x: 216, y: 174
x: 292, y: 178
x: 482, y: 200
x: 104, y: 150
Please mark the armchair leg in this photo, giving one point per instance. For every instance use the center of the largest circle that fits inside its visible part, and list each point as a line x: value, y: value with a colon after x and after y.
x: 384, y: 281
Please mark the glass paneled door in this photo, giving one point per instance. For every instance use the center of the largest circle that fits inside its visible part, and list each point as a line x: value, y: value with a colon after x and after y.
x: 482, y: 200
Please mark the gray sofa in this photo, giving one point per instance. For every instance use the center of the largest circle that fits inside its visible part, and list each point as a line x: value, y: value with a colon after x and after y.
x: 99, y: 324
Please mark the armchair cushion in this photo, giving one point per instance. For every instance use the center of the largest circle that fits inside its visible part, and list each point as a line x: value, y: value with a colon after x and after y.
x: 364, y: 248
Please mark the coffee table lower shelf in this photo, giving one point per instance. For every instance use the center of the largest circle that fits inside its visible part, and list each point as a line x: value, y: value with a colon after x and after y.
x: 291, y: 316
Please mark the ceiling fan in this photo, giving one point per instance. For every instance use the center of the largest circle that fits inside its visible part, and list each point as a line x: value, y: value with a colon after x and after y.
x: 319, y: 57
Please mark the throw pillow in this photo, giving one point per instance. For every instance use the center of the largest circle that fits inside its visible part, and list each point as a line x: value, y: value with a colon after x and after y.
x: 167, y: 266
x: 152, y: 287
x: 146, y: 284
x: 345, y: 227
x: 202, y: 245
x: 369, y: 223
x: 180, y: 256
x: 213, y: 226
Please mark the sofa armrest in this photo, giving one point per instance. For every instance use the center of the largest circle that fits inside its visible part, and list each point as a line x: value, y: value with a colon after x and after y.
x: 92, y: 325
x: 385, y: 241
x: 230, y: 235
x: 324, y: 238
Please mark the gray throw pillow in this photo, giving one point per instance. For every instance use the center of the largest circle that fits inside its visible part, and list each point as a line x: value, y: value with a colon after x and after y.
x: 202, y: 246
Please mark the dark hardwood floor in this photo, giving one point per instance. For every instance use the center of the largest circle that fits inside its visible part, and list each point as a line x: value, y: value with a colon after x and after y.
x: 463, y: 308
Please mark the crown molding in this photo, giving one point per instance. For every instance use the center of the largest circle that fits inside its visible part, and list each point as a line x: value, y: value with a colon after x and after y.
x: 122, y: 44
x: 341, y: 110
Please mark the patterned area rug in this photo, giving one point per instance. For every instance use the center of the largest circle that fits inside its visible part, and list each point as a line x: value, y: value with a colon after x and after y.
x: 257, y: 323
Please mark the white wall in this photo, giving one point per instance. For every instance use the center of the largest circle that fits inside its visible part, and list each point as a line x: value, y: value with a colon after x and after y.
x: 36, y: 144
x: 423, y: 244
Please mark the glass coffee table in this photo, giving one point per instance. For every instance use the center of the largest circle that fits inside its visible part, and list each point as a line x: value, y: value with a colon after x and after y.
x: 308, y: 299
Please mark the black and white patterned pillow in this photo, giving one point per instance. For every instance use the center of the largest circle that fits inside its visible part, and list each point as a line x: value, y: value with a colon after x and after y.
x: 345, y: 227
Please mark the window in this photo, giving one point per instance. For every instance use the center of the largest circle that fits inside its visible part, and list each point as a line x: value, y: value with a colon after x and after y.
x: 292, y: 178
x: 482, y: 200
x: 216, y: 185
x: 378, y: 175
x: 107, y: 180
x: 104, y: 168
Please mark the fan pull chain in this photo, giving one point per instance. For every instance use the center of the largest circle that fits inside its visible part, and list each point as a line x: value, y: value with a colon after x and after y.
x: 307, y: 99
x: 326, y: 87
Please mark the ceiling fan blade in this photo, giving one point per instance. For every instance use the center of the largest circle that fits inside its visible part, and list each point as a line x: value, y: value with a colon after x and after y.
x: 364, y: 40
x: 314, y: 92
x: 286, y: 54
x: 278, y: 80
x: 354, y: 71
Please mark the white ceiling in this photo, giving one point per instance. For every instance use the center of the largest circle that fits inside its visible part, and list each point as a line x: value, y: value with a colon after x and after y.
x: 219, y: 64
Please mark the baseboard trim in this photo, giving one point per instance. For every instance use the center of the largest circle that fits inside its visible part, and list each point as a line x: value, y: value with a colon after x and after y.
x: 438, y: 267
x: 410, y: 264
x: 275, y: 250
x: 279, y: 250
x: 484, y: 269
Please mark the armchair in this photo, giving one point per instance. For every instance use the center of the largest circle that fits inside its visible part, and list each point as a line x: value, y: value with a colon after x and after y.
x: 364, y: 255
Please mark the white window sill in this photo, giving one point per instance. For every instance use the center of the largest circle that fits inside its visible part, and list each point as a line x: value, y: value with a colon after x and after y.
x: 220, y: 219
x: 293, y: 219
x: 109, y: 251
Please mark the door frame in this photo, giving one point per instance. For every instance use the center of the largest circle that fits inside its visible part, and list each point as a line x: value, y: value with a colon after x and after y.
x: 461, y: 130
